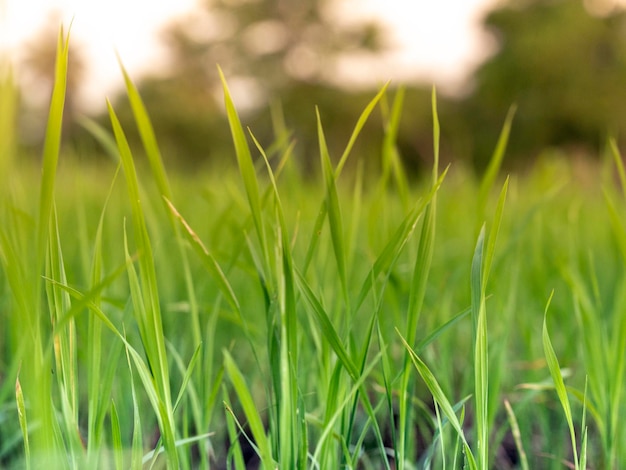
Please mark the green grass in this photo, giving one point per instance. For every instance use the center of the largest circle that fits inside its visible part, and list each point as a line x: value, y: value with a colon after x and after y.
x: 255, y: 317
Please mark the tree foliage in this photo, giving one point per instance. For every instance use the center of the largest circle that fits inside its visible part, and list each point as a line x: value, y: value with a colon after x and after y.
x: 271, y: 51
x: 564, y: 68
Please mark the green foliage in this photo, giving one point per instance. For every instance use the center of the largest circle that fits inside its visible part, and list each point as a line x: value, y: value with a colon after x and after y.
x: 563, y: 66
x: 249, y: 331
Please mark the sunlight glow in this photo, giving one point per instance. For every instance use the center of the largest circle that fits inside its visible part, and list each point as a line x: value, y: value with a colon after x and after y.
x: 436, y: 41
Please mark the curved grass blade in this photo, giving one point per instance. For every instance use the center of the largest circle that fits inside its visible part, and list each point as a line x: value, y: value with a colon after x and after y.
x: 321, y: 216
x: 334, y: 212
x: 151, y: 147
x: 116, y: 438
x: 250, y: 410
x: 559, y: 384
x: 440, y: 397
x: 144, y: 293
x: 21, y: 414
x: 495, y: 162
x: 246, y: 166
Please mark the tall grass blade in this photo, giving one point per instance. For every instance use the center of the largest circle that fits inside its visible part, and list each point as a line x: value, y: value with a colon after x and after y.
x: 52, y: 142
x: 440, y: 398
x: 321, y: 215
x: 246, y: 166
x: 145, y: 298
x: 481, y: 366
x: 517, y: 436
x: 250, y: 410
x: 289, y: 407
x: 495, y: 163
x: 358, y: 127
x: 421, y: 270
x: 116, y: 438
x: 151, y: 147
x: 557, y: 378
x: 334, y: 212
x: 8, y: 117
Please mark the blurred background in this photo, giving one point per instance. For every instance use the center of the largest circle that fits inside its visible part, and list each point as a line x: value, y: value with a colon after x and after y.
x: 561, y: 62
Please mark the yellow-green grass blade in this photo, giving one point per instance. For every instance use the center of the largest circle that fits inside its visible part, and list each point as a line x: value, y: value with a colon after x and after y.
x: 21, y: 414
x: 583, y: 445
x: 334, y: 211
x: 151, y: 147
x: 326, y: 326
x: 137, y: 439
x: 153, y: 454
x: 421, y: 344
x: 617, y: 224
x: 557, y: 377
x: 235, y: 455
x: 321, y: 216
x: 8, y: 117
x: 517, y: 435
x: 337, y: 411
x: 481, y: 355
x: 495, y: 163
x: 427, y: 238
x: 97, y: 389
x: 207, y: 260
x: 493, y: 233
x: 116, y: 438
x: 24, y: 261
x: 363, y: 396
x: 441, y: 425
x: 358, y: 128
x: 146, y: 133
x: 145, y: 296
x: 65, y: 345
x: 392, y: 250
x: 250, y: 410
x: 289, y: 429
x: 438, y: 394
x: 102, y: 136
x: 246, y: 166
x: 390, y: 157
x: 188, y: 371
x: 619, y: 164
x: 421, y: 270
x: 52, y: 142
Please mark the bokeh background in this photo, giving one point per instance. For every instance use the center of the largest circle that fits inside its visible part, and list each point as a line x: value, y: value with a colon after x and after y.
x: 560, y: 63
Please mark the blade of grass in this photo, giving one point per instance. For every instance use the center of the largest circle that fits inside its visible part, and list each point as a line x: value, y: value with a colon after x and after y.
x: 559, y: 384
x: 145, y: 297
x: 151, y: 147
x: 321, y: 216
x: 116, y: 438
x: 250, y: 410
x: 494, y: 163
x: 246, y: 167
x: 517, y: 435
x: 334, y: 212
x: 289, y: 429
x: 8, y: 116
x: 440, y: 397
x: 421, y: 270
x: 21, y: 414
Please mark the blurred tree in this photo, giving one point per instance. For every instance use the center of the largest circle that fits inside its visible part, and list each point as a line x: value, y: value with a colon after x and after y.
x: 270, y: 51
x: 564, y: 67
x: 267, y: 45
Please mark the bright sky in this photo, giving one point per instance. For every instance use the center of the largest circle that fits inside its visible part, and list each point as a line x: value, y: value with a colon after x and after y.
x: 439, y: 40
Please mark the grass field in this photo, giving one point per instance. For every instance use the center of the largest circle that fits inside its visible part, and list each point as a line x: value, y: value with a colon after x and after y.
x: 255, y: 318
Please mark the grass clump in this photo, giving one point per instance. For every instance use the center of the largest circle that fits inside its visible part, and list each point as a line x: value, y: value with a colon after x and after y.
x: 257, y: 318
